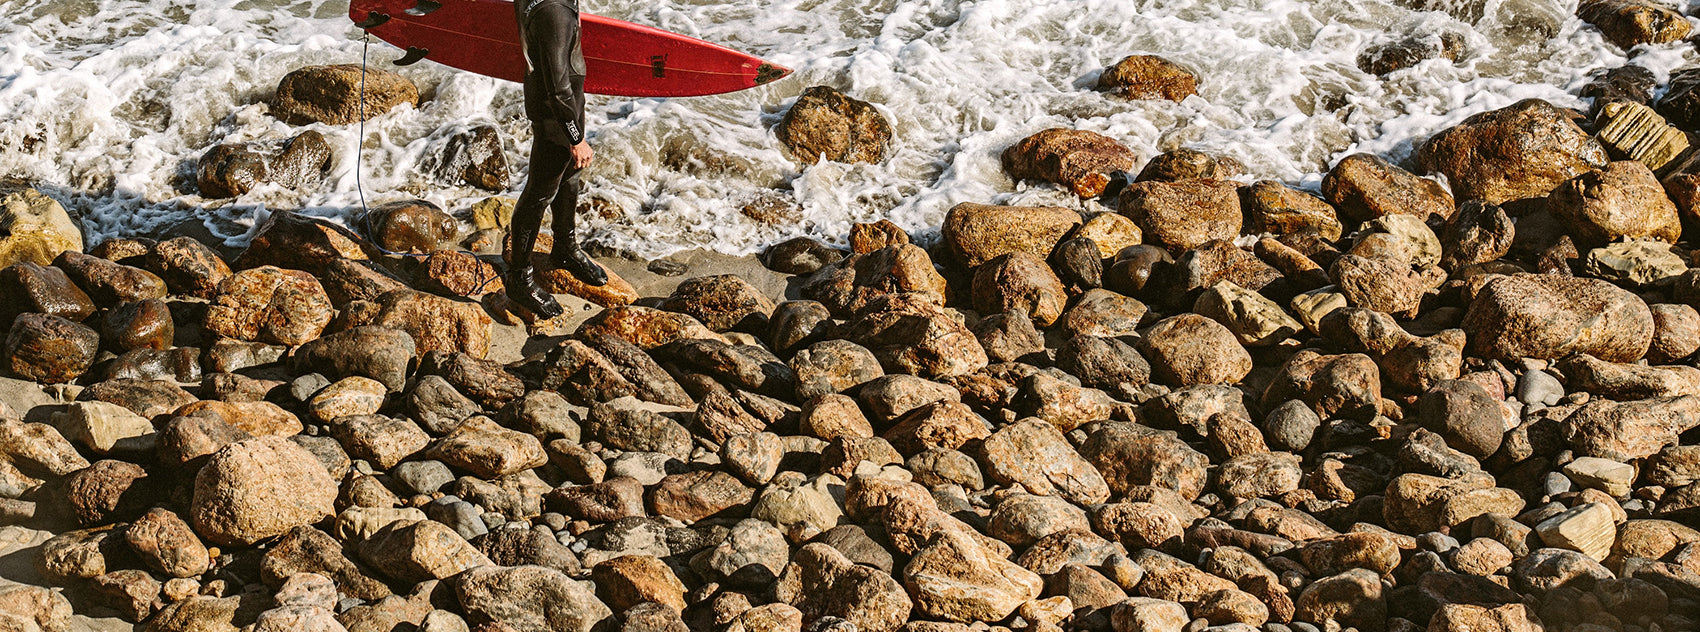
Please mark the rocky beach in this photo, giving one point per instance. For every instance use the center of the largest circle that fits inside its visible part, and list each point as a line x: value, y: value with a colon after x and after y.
x: 1450, y: 391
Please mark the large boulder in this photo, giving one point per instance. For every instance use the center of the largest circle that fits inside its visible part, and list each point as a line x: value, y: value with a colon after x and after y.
x: 233, y: 169
x: 850, y: 285
x: 645, y: 327
x: 298, y: 242
x: 1079, y: 160
x: 380, y: 353
x: 109, y: 283
x: 1551, y: 316
x: 722, y: 302
x: 1622, y: 200
x: 28, y: 287
x: 34, y: 227
x: 978, y: 233
x: 1019, y: 281
x: 260, y: 488
x: 332, y: 94
x: 1182, y: 215
x: 269, y: 304
x: 435, y: 322
x: 1190, y: 349
x: 410, y: 226
x: 188, y: 266
x: 1272, y: 207
x: 825, y: 123
x: 1514, y: 153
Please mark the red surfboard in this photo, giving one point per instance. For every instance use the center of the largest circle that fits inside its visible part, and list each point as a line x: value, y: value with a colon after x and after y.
x: 621, y: 58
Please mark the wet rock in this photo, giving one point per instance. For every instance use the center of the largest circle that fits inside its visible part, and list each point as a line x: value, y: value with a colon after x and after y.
x: 454, y: 273
x: 1395, y: 56
x: 1079, y: 160
x: 1364, y: 187
x: 914, y: 335
x: 1110, y: 232
x: 825, y: 123
x: 1190, y: 349
x: 49, y: 349
x: 331, y: 94
x: 866, y: 238
x: 860, y: 279
x: 978, y: 233
x: 956, y: 579
x: 140, y: 325
x: 1079, y: 264
x: 109, y: 283
x: 35, y: 227
x: 290, y: 240
x: 259, y: 488
x: 799, y: 255
x: 269, y: 304
x: 722, y: 303
x: 488, y: 450
x: 1629, y: 23
x: 821, y: 582
x: 26, y: 287
x: 1019, y: 281
x: 1129, y: 455
x: 475, y: 157
x: 1619, y: 200
x: 1513, y: 153
x: 1272, y: 207
x: 1182, y: 215
x: 1548, y: 316
x: 1148, y: 77
x: 1183, y: 164
x: 233, y: 169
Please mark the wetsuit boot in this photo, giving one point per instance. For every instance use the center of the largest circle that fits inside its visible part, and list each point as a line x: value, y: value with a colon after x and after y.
x: 520, y: 283
x: 565, y: 254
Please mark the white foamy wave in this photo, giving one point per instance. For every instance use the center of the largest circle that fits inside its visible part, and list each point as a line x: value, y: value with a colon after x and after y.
x: 109, y: 103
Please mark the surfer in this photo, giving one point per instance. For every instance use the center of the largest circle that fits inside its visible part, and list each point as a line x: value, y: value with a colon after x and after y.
x: 554, y: 101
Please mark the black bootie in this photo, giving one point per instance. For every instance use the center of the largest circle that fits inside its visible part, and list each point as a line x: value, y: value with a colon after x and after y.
x: 522, y: 288
x: 566, y: 255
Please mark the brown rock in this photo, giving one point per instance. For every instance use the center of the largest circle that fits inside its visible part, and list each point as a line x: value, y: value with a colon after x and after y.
x: 259, y: 488
x: 722, y: 303
x: 26, y: 287
x: 1182, y: 215
x: 1148, y: 77
x: 1189, y: 349
x: 488, y: 450
x: 167, y: 544
x: 49, y: 349
x: 1549, y: 316
x: 1408, y: 52
x: 1272, y: 207
x: 1080, y: 161
x: 821, y: 582
x: 912, y: 334
x: 1623, y: 431
x: 700, y: 495
x: 1621, y: 200
x: 1353, y: 598
x: 956, y: 579
x: 269, y: 304
x: 1629, y: 23
x: 978, y: 233
x: 109, y: 283
x: 233, y: 169
x: 866, y: 238
x: 618, y: 291
x: 645, y: 327
x: 852, y: 284
x: 1365, y: 187
x: 140, y: 325
x: 475, y: 157
x: 332, y: 94
x: 824, y: 123
x: 1518, y: 152
x: 456, y: 273
x: 436, y: 323
x: 1019, y: 281
x: 1130, y: 455
x: 629, y: 580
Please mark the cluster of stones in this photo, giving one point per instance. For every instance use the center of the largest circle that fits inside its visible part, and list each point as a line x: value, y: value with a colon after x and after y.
x: 1206, y: 406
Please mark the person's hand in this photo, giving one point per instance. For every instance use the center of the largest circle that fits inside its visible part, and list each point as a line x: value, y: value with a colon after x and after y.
x: 582, y: 155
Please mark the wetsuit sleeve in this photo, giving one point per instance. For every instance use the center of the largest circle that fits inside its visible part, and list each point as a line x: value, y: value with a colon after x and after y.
x: 555, y: 28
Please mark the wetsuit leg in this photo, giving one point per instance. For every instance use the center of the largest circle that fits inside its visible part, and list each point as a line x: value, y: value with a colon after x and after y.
x: 567, y: 255
x: 550, y: 163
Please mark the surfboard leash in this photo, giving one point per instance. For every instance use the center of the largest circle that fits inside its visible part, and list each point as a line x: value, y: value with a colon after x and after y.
x: 359, y: 162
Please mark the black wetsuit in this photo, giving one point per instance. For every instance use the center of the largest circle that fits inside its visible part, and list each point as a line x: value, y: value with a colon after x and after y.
x: 554, y: 101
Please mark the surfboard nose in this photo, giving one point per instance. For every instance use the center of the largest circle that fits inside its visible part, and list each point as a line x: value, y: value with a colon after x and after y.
x: 768, y: 73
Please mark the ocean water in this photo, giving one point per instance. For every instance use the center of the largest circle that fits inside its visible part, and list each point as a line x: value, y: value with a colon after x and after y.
x: 109, y: 103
